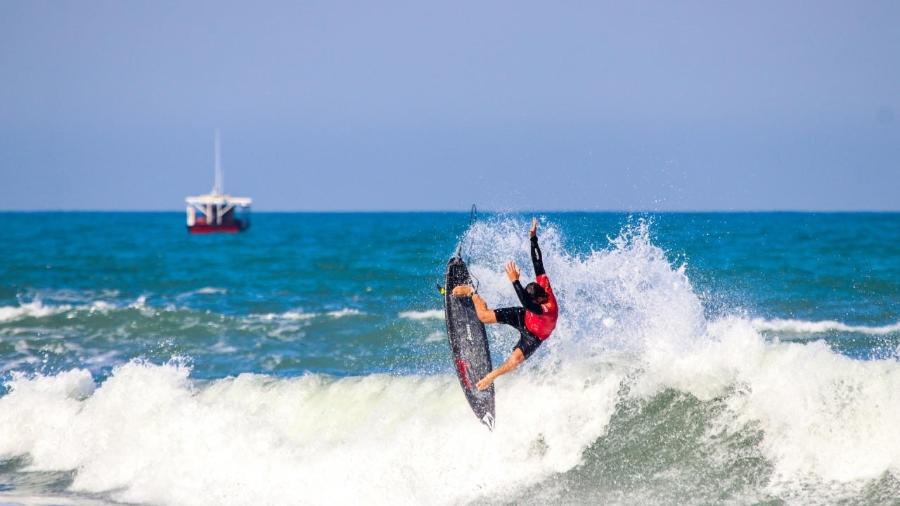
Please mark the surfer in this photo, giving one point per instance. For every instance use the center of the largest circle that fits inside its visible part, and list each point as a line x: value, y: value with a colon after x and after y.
x: 535, y: 320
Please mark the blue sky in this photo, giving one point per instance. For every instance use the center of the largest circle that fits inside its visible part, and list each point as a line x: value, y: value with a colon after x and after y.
x: 423, y: 105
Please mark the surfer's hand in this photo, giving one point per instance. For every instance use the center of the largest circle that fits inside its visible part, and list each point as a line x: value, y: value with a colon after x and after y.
x: 463, y: 291
x: 512, y: 272
x: 533, y: 230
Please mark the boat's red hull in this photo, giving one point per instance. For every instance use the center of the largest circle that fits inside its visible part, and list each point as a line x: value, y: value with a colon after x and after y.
x: 217, y: 229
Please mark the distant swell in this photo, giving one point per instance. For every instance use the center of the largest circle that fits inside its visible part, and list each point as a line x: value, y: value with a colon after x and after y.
x: 818, y: 327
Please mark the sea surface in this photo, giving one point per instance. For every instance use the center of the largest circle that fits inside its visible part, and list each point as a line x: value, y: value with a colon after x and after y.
x: 707, y: 358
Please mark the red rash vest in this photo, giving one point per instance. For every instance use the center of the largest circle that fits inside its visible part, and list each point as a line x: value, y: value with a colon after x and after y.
x: 542, y: 325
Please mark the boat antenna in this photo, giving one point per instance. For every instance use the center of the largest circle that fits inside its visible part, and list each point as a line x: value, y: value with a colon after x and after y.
x: 219, y: 185
x: 473, y: 216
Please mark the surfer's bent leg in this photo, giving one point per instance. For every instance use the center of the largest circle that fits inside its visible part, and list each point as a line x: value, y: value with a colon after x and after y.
x: 516, y: 358
x: 485, y: 314
x: 514, y: 317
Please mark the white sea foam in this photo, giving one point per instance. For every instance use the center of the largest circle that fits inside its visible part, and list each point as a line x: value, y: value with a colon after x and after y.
x: 826, y: 418
x: 429, y: 314
x: 295, y: 315
x: 287, y: 315
x: 37, y: 309
x: 210, y: 290
x: 258, y: 440
x: 820, y: 327
x: 33, y: 309
x: 99, y: 306
x: 206, y: 290
x: 343, y: 312
x: 139, y: 303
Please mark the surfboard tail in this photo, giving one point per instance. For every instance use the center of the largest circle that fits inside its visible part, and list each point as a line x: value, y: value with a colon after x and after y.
x: 488, y: 419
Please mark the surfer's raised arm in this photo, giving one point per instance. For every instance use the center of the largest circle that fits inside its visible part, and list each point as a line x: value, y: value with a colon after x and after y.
x: 536, y: 258
x: 528, y: 302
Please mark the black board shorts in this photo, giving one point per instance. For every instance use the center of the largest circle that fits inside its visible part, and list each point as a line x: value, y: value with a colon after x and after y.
x: 515, y: 318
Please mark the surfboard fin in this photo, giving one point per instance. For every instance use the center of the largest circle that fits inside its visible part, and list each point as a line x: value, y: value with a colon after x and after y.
x: 488, y: 419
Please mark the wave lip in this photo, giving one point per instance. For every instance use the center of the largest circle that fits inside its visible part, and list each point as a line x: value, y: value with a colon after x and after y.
x: 821, y: 326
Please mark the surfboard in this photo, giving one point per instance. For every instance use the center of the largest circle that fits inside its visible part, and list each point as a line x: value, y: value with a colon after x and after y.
x: 468, y: 342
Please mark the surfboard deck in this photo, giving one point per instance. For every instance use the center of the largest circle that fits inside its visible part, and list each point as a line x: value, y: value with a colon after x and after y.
x: 468, y: 343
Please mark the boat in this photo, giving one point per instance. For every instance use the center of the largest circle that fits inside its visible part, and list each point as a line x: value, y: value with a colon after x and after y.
x: 217, y: 212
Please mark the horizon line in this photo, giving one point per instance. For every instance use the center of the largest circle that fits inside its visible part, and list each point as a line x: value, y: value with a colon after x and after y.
x: 466, y: 211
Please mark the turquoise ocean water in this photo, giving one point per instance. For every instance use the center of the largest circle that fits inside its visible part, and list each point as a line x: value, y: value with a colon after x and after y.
x: 700, y: 358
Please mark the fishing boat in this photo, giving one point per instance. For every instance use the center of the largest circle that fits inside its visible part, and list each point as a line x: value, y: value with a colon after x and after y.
x: 217, y: 212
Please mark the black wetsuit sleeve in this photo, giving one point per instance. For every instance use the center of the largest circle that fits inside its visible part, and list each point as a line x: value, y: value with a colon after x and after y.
x: 536, y: 258
x: 527, y: 302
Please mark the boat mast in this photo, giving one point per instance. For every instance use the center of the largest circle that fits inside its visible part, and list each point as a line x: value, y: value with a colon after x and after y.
x: 219, y: 184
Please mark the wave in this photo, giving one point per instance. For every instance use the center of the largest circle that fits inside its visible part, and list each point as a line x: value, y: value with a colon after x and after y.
x: 820, y: 327
x: 34, y: 309
x: 37, y: 309
x: 429, y: 314
x: 210, y: 290
x: 206, y: 290
x: 295, y: 315
x: 287, y: 315
x: 343, y: 312
x: 260, y: 440
x: 794, y: 421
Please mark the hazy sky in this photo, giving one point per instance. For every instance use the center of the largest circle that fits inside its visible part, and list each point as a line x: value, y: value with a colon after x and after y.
x: 435, y: 105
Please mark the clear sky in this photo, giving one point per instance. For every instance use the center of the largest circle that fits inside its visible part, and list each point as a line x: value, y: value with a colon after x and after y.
x: 385, y: 105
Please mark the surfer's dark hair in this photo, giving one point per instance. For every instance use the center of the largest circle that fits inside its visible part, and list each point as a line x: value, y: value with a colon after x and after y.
x: 536, y: 292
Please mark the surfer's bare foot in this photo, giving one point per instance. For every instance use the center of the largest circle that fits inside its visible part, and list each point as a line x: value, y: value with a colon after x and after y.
x: 484, y: 384
x: 463, y: 291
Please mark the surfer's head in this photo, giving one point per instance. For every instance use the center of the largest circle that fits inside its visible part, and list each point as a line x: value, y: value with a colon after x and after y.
x: 537, y: 292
